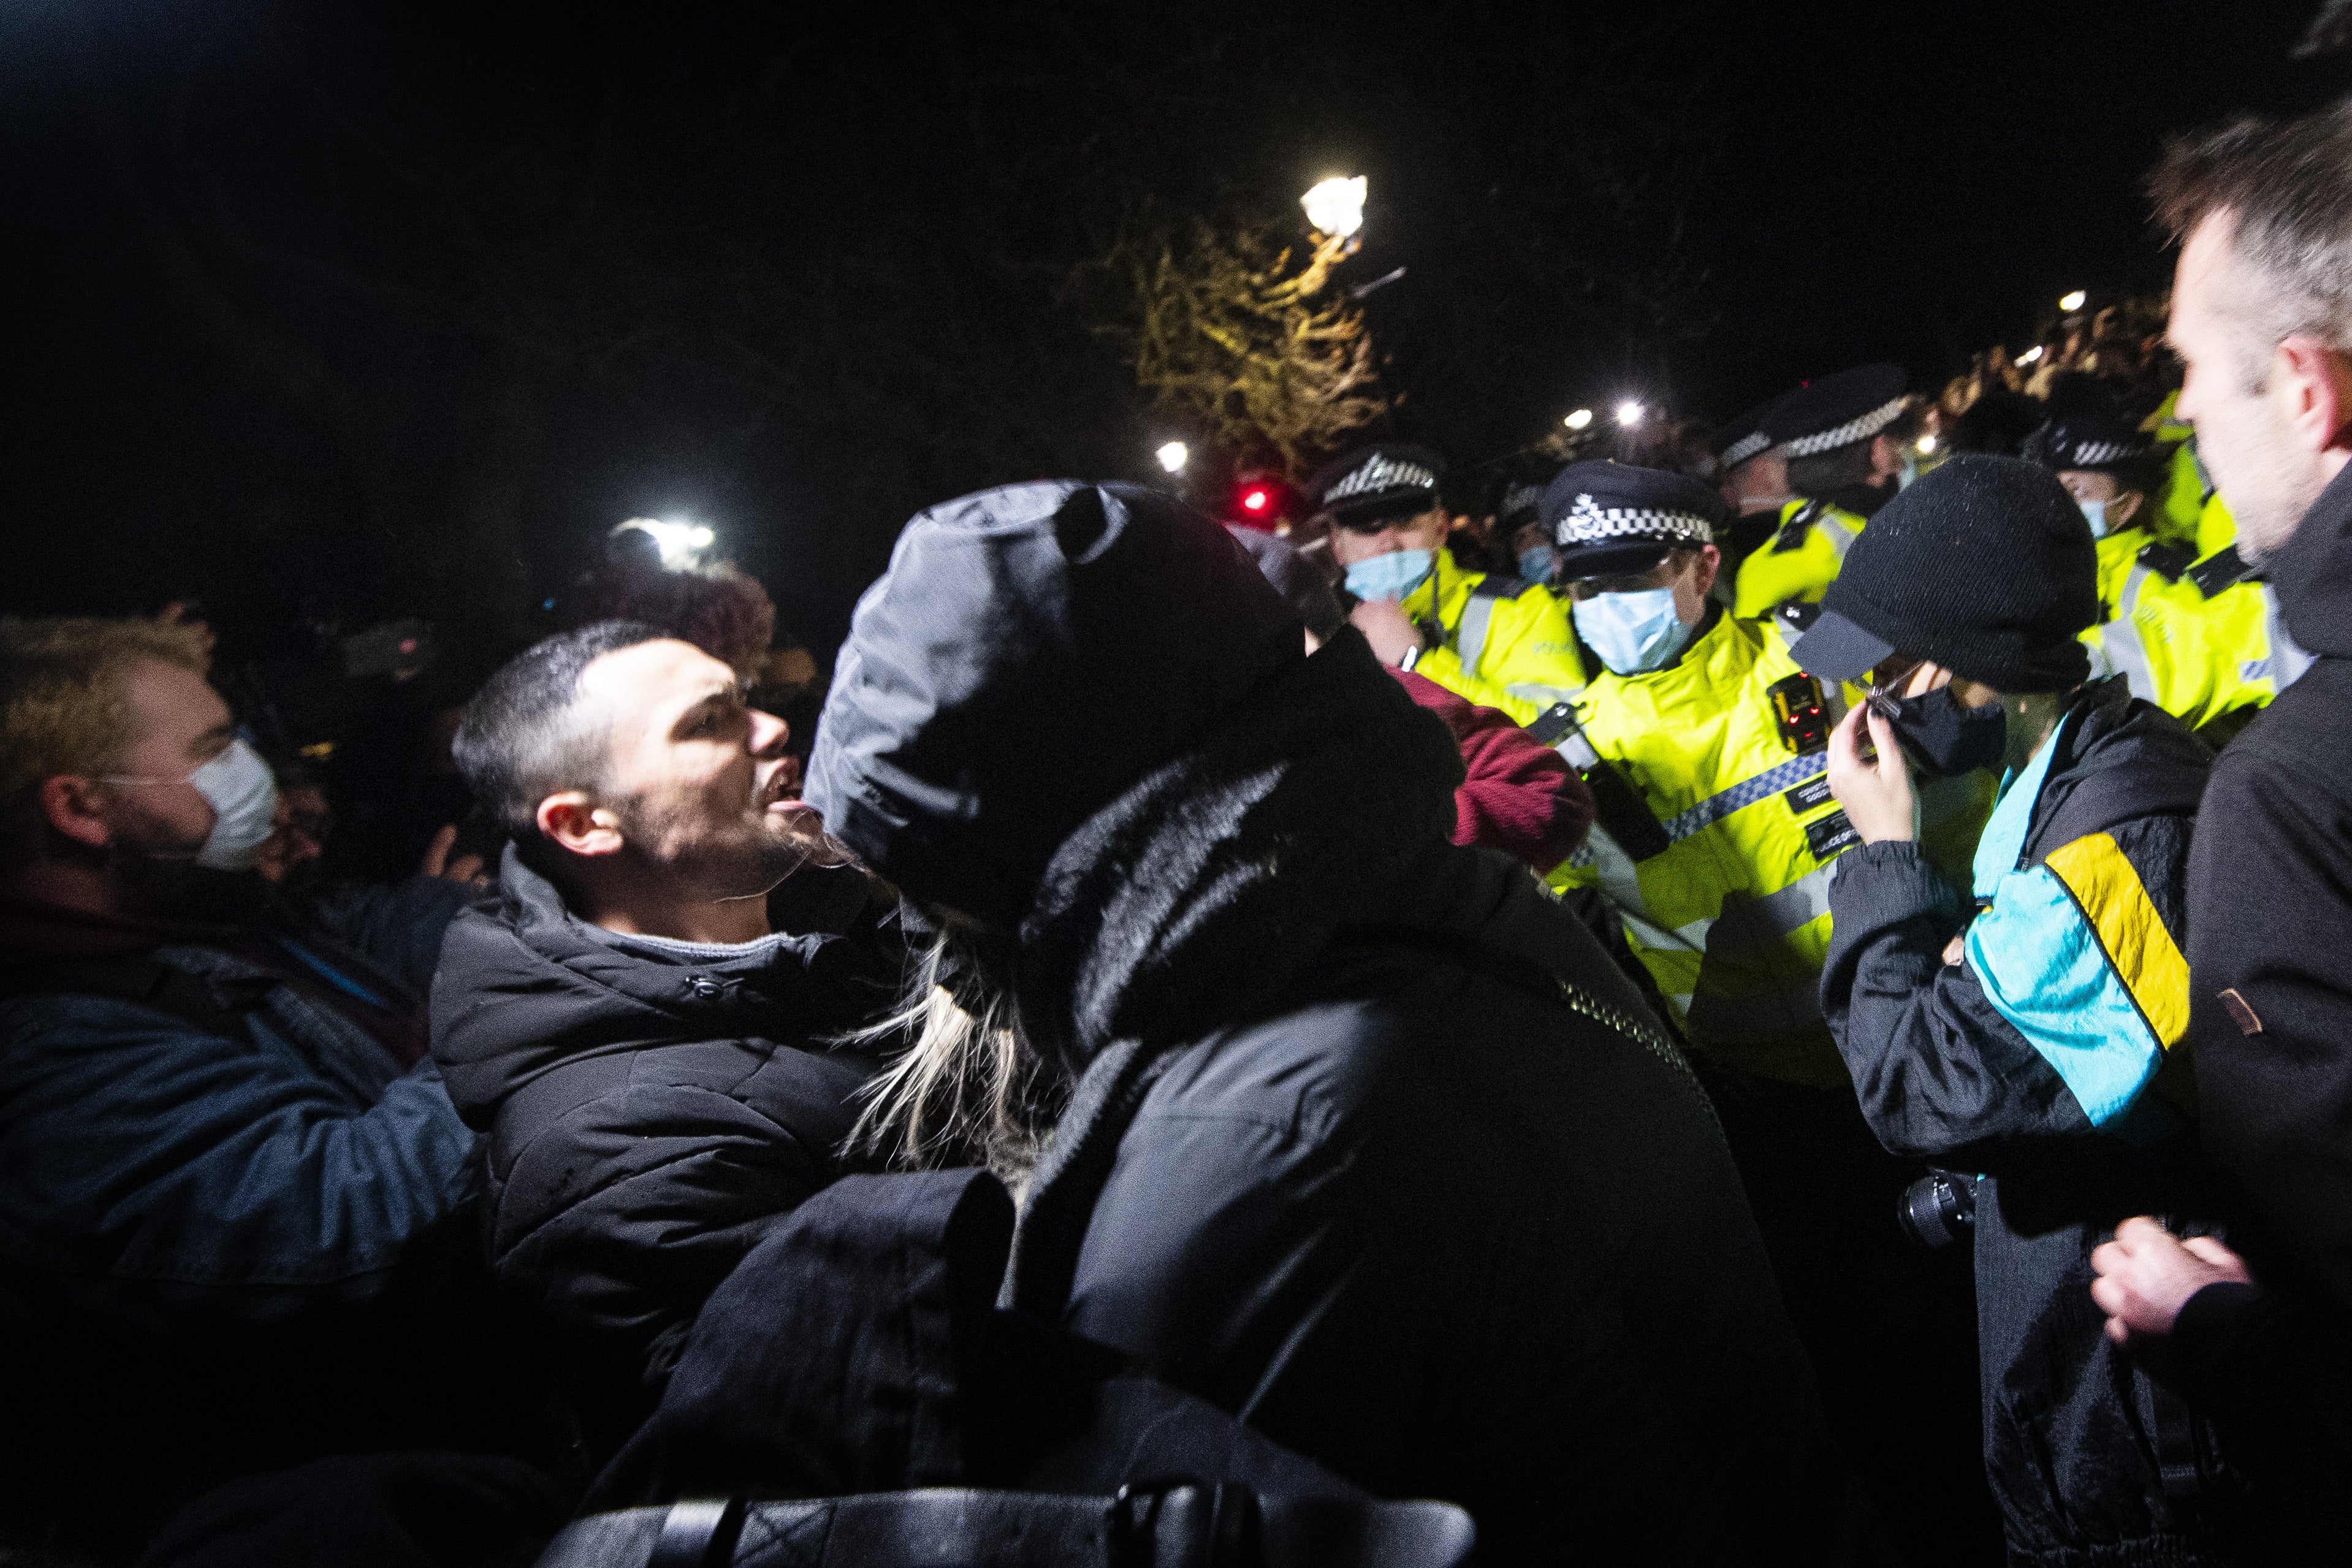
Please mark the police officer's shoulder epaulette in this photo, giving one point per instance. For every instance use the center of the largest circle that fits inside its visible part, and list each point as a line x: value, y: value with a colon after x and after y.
x: 1796, y: 619
x: 2169, y: 560
x: 2225, y: 568
x: 1494, y: 585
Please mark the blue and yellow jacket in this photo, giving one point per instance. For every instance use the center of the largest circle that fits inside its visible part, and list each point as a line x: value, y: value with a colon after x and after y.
x: 2029, y: 1061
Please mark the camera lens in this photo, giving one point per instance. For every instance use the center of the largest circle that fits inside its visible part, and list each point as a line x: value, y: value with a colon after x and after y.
x: 1938, y: 1209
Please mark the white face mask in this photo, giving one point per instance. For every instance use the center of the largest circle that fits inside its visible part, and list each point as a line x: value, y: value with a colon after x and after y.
x: 238, y: 786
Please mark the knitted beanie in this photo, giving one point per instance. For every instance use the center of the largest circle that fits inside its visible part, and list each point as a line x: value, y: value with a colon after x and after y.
x: 1985, y: 566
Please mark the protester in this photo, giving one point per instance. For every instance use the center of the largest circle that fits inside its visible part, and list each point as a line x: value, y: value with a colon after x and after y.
x: 647, y: 1053
x: 1323, y: 1071
x: 237, y: 1228
x: 2263, y: 214
x: 2019, y: 1045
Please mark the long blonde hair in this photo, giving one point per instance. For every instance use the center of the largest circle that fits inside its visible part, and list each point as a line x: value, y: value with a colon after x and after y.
x: 967, y: 1089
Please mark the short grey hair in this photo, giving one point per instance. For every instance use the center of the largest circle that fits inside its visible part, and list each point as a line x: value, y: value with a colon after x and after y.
x: 2288, y: 186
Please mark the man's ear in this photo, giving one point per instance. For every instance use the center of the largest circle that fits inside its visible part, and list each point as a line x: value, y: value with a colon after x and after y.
x: 2316, y: 383
x: 1710, y: 563
x: 73, y: 807
x: 2124, y: 508
x: 578, y: 823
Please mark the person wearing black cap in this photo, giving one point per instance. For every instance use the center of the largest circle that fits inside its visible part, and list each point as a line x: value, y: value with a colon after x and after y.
x: 1752, y: 476
x: 1844, y: 440
x: 2025, y: 1036
x: 1704, y: 737
x: 1352, y: 1131
x: 2109, y: 467
x: 1498, y: 641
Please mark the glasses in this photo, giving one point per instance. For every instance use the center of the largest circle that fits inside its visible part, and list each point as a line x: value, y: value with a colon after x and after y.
x: 1884, y: 683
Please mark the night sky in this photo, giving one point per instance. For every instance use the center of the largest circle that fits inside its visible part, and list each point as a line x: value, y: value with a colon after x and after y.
x: 345, y: 309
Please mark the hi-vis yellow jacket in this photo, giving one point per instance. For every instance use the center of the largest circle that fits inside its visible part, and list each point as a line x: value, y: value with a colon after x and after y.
x: 1799, y: 562
x: 2119, y: 560
x: 1512, y: 651
x: 2200, y: 646
x: 2190, y: 512
x: 1732, y: 914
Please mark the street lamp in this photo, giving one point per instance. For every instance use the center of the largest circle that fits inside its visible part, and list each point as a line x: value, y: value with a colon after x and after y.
x: 1336, y: 207
x: 1579, y: 420
x: 2073, y: 302
x: 1629, y: 414
x: 680, y: 543
x: 1174, y: 456
x: 2030, y: 355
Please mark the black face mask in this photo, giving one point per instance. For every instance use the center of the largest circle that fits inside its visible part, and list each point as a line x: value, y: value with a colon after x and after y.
x: 1947, y: 739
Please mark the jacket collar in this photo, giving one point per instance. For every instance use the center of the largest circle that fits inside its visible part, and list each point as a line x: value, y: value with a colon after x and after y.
x: 2313, y: 573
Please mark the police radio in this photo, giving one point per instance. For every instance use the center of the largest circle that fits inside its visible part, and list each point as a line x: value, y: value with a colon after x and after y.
x: 1623, y: 814
x: 1803, y: 717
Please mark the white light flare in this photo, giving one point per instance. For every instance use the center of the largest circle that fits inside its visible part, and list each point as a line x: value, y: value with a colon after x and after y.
x: 1579, y: 420
x: 1173, y: 456
x: 1629, y: 414
x: 1336, y: 207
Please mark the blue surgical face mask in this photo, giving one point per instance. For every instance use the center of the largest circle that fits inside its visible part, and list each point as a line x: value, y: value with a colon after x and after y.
x: 1389, y: 577
x: 1535, y: 566
x: 2095, y: 511
x: 1908, y: 475
x: 1632, y: 632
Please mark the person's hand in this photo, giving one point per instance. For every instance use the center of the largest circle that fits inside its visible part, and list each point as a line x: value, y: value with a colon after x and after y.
x: 466, y: 868
x: 2146, y: 1277
x: 1388, y: 629
x: 1876, y: 795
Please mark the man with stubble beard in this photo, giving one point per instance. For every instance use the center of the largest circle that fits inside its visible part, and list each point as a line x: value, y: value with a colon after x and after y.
x: 647, y: 1052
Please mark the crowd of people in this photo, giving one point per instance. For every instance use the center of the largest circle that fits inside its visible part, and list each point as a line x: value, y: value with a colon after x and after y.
x: 1777, y: 1003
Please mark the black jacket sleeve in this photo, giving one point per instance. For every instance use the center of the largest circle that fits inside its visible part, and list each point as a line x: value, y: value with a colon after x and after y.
x: 1937, y: 1067
x: 2274, y: 1369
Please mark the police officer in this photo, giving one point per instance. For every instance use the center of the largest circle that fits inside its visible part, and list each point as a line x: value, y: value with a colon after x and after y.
x: 2190, y: 512
x: 1706, y: 747
x: 1752, y: 476
x: 2209, y: 648
x: 2110, y: 469
x: 1844, y: 439
x: 1496, y: 640
x: 1705, y: 742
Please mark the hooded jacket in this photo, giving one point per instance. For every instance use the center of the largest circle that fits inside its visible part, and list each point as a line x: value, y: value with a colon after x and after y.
x: 651, y: 1107
x: 2029, y: 1063
x: 1368, y: 1143
x: 2271, y: 989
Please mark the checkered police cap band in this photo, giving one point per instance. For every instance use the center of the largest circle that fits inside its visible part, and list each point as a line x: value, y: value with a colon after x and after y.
x: 1380, y: 473
x: 1852, y: 430
x: 1588, y: 522
x: 2090, y: 454
x: 1747, y: 446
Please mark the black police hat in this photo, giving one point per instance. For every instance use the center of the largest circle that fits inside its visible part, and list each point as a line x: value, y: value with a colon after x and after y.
x: 1612, y: 518
x: 1983, y: 566
x: 2094, y: 441
x: 1837, y: 410
x: 1737, y: 439
x: 1376, y: 484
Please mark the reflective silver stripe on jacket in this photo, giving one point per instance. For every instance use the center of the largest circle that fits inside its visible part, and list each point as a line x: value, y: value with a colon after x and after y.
x: 2288, y: 660
x: 1621, y: 884
x: 1470, y: 636
x: 2119, y: 642
x: 1840, y: 534
x: 1746, y: 792
x: 1746, y: 924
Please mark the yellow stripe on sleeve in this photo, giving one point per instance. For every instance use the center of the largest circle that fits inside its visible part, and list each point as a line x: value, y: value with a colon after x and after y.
x: 2142, y: 951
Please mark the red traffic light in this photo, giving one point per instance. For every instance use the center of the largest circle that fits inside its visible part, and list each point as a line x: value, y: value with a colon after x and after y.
x: 1257, y: 497
x: 1261, y: 500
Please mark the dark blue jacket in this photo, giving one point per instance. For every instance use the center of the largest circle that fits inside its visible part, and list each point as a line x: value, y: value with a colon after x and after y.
x: 2042, y: 1064
x: 218, y: 1194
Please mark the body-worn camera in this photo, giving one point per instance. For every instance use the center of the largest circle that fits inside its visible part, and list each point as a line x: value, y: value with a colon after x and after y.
x: 1938, y: 1209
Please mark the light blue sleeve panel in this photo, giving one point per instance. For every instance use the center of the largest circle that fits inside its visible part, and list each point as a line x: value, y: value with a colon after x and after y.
x: 2042, y: 969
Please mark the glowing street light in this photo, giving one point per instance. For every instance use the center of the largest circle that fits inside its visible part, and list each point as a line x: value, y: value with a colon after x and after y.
x: 2030, y: 355
x: 1629, y: 414
x: 1579, y: 420
x: 1927, y: 445
x: 1174, y: 456
x: 2073, y: 302
x: 1336, y: 207
x: 680, y: 543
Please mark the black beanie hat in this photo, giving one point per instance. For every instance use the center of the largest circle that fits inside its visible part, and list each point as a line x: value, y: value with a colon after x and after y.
x: 1984, y: 565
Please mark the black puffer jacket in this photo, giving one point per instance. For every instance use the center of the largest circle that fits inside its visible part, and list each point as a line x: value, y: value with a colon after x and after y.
x: 1370, y: 1143
x: 649, y: 1114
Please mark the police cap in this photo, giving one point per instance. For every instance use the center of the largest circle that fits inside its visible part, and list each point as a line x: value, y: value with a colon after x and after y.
x: 1374, y: 486
x: 1837, y: 410
x: 1612, y: 518
x: 2094, y: 441
x: 1737, y: 440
